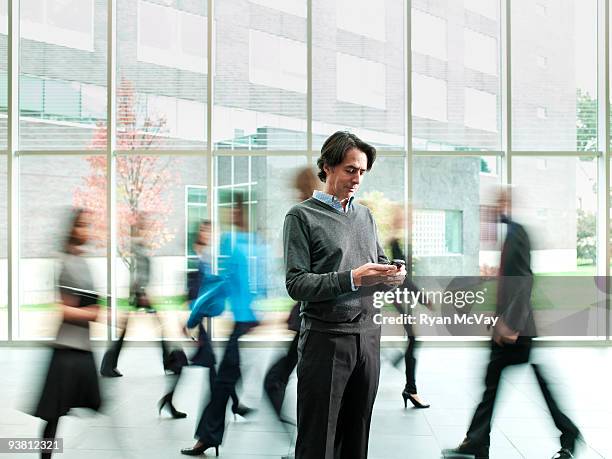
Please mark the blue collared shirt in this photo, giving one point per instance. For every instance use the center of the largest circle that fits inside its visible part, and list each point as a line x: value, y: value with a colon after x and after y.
x: 336, y: 204
x: 333, y: 201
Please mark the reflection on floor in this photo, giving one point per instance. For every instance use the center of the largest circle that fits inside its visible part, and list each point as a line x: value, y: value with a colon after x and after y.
x: 449, y: 378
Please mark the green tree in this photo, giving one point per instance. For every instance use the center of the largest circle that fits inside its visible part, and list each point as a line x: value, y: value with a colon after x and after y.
x: 586, y: 121
x: 585, y: 237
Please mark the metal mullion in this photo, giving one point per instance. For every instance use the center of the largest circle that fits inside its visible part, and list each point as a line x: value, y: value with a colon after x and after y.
x: 13, y: 167
x: 243, y: 153
x: 138, y: 152
x: 144, y: 152
x: 534, y: 153
x: 408, y: 140
x: 506, y: 90
x: 310, y: 156
x: 603, y: 162
x: 60, y: 152
x: 459, y: 153
x: 210, y: 164
x: 111, y: 169
x: 391, y: 153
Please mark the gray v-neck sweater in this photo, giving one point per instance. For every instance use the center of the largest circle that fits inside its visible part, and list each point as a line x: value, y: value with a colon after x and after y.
x: 322, y: 246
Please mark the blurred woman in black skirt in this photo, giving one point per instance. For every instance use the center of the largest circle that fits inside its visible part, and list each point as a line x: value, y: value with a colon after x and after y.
x: 410, y: 389
x: 71, y: 380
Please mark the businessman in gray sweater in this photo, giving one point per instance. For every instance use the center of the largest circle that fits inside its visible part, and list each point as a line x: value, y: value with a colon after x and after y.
x: 334, y: 264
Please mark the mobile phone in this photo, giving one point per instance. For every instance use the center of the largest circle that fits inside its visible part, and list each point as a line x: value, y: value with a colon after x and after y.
x: 399, y: 263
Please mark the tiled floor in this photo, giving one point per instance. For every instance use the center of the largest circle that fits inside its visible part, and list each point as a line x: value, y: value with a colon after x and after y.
x: 449, y: 378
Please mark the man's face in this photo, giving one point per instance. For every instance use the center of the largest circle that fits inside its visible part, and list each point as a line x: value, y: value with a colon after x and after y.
x: 343, y: 180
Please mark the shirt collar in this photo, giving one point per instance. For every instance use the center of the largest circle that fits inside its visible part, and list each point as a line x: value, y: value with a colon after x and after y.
x: 333, y: 201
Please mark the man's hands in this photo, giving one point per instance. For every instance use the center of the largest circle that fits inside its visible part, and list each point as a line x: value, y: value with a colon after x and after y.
x: 375, y: 273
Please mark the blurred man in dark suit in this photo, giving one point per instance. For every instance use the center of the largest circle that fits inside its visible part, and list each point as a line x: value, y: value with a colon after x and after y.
x: 511, y: 344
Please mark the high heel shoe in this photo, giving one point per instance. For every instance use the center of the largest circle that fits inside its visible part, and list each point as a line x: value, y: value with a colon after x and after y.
x: 242, y: 410
x: 408, y: 396
x: 166, y: 400
x: 198, y: 450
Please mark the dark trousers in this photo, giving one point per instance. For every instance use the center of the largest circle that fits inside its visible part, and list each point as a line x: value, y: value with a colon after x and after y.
x: 212, y: 422
x: 337, y: 385
x: 502, y: 357
x: 410, y: 361
x: 205, y: 357
x: 277, y: 377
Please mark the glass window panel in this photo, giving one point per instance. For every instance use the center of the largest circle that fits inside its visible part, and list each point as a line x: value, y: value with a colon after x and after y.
x: 68, y: 23
x: 454, y: 225
x: 161, y: 75
x: 480, y: 110
x: 456, y: 83
x: 481, y: 52
x: 429, y: 97
x: 277, y: 62
x: 31, y: 91
x: 553, y: 105
x: 358, y: 71
x: 268, y: 193
x: 93, y: 102
x: 62, y: 99
x: 363, y: 17
x: 360, y: 81
x: 487, y: 8
x: 170, y: 192
x: 49, y: 188
x: 171, y: 37
x: 296, y: 7
x: 61, y: 60
x: 260, y: 79
x: 425, y: 27
x: 556, y: 200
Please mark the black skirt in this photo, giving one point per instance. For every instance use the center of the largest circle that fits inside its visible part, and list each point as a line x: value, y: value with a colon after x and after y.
x: 72, y: 382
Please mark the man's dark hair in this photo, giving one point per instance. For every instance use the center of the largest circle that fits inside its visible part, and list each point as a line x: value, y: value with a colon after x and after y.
x: 335, y: 147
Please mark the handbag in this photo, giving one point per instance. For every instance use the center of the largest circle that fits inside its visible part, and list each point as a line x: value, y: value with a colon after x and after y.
x: 210, y: 301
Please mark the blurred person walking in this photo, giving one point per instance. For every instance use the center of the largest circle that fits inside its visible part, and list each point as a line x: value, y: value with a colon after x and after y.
x: 511, y: 343
x: 410, y: 389
x: 204, y: 356
x: 139, y: 300
x: 71, y: 380
x: 277, y: 377
x: 235, y: 245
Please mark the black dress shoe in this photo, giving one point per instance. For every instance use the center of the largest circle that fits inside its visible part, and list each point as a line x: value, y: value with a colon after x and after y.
x: 167, y: 401
x: 467, y: 450
x: 242, y: 410
x: 407, y: 396
x: 199, y: 450
x: 563, y: 453
x: 114, y: 373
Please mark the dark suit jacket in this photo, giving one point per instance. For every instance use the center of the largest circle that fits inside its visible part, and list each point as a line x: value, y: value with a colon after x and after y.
x: 515, y: 281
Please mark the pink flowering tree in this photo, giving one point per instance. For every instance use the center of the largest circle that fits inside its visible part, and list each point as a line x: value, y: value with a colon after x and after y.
x: 144, y: 182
